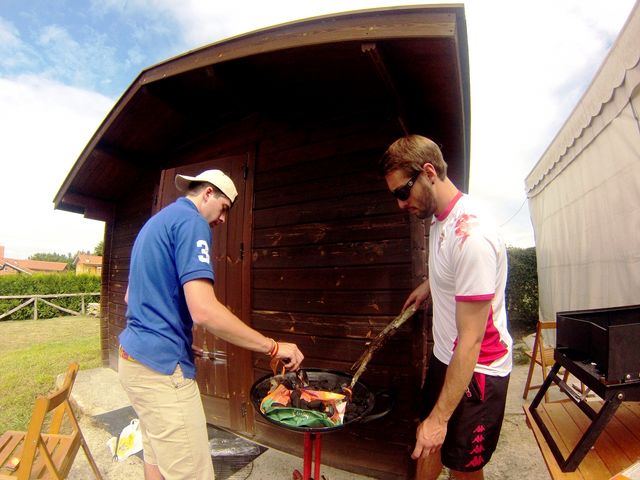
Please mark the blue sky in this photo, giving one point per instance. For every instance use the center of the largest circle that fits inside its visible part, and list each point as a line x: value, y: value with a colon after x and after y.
x: 64, y: 64
x: 97, y: 46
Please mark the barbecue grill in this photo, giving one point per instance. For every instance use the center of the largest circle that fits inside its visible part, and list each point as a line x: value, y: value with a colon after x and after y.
x: 359, y: 410
x: 599, y: 347
x: 606, y: 339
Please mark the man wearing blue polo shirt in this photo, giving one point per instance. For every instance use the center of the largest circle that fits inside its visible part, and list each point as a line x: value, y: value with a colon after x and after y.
x: 170, y: 289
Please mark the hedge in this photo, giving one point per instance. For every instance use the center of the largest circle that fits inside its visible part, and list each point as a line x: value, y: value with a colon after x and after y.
x: 522, y: 289
x: 46, y: 284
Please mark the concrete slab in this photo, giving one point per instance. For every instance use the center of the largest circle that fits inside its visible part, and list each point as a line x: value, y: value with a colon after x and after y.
x: 98, y: 392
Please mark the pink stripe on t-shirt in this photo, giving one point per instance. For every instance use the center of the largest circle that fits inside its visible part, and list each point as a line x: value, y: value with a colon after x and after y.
x: 452, y: 204
x: 492, y: 347
x: 474, y: 298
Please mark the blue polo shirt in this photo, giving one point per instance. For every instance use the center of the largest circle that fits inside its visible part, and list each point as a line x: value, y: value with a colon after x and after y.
x: 172, y: 248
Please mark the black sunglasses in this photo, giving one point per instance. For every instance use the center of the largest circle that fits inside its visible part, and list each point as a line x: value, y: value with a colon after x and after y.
x: 402, y: 193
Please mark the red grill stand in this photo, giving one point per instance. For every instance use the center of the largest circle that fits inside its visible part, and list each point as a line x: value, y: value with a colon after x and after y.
x: 311, y: 441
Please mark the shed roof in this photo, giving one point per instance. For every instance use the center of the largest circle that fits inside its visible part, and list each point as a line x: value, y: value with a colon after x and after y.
x: 412, y: 61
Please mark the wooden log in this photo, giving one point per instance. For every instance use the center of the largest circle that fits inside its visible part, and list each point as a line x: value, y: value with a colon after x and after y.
x: 383, y: 336
x: 22, y: 305
x: 50, y: 295
x: 65, y: 310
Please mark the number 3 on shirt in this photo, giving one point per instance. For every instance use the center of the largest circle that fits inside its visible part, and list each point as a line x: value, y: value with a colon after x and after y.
x: 204, y: 251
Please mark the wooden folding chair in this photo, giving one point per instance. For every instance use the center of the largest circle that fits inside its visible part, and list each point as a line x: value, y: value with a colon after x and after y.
x: 37, y: 455
x: 542, y: 355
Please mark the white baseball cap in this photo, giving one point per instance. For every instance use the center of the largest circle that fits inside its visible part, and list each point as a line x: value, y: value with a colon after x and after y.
x: 214, y: 177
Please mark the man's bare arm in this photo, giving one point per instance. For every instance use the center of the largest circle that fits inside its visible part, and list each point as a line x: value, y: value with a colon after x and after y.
x: 207, y: 311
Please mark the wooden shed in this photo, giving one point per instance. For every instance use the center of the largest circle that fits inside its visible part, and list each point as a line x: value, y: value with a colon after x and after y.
x: 315, y: 250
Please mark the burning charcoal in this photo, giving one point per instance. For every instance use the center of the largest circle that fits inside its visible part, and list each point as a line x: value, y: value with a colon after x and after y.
x: 295, y: 399
x: 330, y: 410
x: 357, y: 404
x: 323, y: 385
x: 354, y: 410
x: 316, y: 405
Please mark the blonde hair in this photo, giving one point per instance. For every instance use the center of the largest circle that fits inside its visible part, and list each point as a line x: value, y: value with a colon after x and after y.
x: 409, y: 154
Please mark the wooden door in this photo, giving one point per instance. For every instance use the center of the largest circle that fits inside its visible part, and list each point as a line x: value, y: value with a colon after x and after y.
x: 225, y: 382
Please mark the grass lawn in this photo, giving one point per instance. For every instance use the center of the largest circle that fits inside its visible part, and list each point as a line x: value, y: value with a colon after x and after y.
x: 33, y: 353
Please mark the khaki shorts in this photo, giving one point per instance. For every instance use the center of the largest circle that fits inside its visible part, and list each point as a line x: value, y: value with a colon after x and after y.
x: 172, y: 421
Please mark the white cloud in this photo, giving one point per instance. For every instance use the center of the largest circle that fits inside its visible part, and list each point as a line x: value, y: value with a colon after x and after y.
x: 44, y: 126
x: 8, y: 34
x: 85, y: 60
x: 14, y: 53
x: 529, y: 64
x: 529, y: 67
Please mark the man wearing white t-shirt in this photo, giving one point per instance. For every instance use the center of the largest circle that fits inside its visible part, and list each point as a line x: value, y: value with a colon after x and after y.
x: 465, y: 390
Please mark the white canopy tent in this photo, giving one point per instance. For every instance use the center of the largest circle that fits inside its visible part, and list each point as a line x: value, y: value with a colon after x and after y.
x: 584, y: 193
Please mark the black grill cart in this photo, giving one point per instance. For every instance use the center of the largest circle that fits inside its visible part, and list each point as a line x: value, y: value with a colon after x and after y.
x: 601, y: 348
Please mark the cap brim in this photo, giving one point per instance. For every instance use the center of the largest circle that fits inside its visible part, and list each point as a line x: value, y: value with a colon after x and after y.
x: 183, y: 181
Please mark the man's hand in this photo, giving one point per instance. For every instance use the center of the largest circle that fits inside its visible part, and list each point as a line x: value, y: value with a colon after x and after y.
x: 429, y: 437
x: 418, y: 296
x: 290, y: 355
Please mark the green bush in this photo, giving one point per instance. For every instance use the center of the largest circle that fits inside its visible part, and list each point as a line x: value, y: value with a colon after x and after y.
x: 46, y: 284
x: 522, y: 289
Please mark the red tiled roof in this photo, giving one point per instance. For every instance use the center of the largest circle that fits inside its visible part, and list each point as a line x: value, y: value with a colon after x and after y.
x: 4, y: 265
x: 37, y: 265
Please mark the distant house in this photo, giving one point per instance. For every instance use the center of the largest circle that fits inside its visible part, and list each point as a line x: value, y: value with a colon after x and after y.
x: 7, y: 268
x: 88, y: 264
x: 11, y: 266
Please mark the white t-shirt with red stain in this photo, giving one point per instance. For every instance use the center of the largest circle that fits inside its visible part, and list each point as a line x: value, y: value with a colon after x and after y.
x: 468, y: 262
